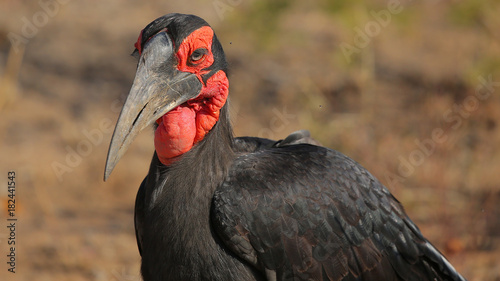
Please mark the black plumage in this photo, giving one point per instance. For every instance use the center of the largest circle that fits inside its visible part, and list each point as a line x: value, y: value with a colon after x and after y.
x: 256, y: 209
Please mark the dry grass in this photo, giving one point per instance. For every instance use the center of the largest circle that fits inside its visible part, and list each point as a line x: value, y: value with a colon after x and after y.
x: 284, y: 57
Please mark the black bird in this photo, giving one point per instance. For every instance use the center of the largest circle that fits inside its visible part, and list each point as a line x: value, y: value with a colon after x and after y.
x: 214, y: 207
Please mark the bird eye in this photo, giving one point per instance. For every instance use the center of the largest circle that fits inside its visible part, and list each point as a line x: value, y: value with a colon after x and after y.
x: 198, y: 55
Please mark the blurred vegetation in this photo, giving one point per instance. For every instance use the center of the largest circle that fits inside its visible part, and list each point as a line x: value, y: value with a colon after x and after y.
x: 469, y: 12
x: 286, y: 59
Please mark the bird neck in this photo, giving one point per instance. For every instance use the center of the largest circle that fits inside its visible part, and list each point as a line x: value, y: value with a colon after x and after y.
x: 190, y: 182
x: 201, y: 169
x: 213, y: 154
x: 179, y: 200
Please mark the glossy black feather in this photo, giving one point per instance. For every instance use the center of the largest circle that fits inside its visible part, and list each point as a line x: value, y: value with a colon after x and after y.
x: 256, y: 209
x: 307, y: 212
x: 303, y: 212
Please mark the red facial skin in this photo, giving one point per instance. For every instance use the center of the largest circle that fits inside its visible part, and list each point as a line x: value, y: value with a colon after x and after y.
x: 180, y: 129
x: 138, y: 44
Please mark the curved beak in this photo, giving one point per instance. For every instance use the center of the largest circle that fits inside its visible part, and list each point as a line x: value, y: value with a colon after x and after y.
x: 158, y: 88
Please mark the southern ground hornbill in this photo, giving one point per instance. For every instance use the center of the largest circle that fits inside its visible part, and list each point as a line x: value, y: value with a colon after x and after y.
x: 214, y: 207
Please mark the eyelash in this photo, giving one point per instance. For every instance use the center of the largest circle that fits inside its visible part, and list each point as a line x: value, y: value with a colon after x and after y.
x: 201, y: 53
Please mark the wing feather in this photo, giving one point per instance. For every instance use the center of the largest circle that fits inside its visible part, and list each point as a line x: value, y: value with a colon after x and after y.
x: 310, y: 213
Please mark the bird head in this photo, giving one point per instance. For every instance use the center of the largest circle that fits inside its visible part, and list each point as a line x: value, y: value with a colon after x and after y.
x: 180, y: 86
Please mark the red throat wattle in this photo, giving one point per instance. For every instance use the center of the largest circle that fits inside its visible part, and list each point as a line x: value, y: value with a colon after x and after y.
x: 180, y: 129
x: 188, y: 124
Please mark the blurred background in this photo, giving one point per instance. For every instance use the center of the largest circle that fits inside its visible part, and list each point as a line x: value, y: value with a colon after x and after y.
x: 409, y: 89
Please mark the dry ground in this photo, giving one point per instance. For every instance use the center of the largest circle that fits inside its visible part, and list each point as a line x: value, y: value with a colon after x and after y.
x: 414, y: 78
